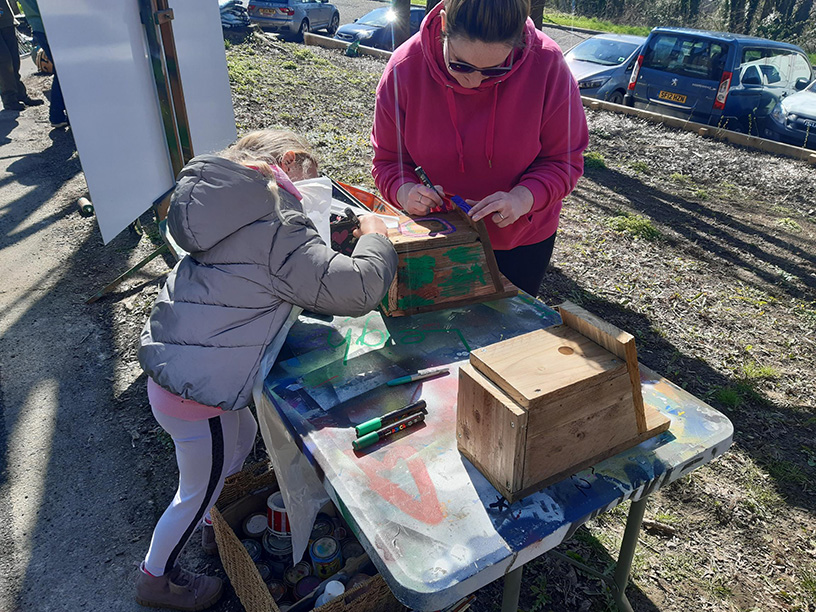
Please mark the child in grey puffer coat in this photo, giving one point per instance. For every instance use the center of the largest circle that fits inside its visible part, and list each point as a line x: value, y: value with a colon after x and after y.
x: 252, y: 255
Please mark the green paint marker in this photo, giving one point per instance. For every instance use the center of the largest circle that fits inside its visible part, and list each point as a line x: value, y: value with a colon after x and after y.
x: 391, y: 417
x: 417, y: 377
x: 376, y: 436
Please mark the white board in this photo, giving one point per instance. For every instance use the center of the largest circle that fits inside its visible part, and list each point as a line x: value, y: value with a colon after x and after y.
x: 100, y: 52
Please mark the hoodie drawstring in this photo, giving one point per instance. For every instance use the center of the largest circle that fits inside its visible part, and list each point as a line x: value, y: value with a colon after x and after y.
x: 460, y: 147
x: 490, y: 136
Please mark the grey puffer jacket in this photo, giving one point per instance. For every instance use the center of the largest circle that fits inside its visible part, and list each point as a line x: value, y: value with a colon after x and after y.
x: 225, y: 301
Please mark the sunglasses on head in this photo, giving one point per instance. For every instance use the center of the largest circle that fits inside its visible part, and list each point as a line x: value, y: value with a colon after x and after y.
x: 465, y: 68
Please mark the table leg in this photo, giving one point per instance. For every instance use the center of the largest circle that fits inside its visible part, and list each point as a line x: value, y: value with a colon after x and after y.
x: 512, y: 588
x: 627, y: 553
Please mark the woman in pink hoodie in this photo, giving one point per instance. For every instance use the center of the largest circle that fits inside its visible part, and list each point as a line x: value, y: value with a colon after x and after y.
x: 485, y: 103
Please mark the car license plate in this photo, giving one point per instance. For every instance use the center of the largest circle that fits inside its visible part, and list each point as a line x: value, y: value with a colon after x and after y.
x: 670, y: 95
x: 809, y: 122
x: 267, y: 12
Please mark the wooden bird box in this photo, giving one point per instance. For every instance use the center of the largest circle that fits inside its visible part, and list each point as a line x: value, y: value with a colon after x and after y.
x: 535, y: 409
x: 445, y: 260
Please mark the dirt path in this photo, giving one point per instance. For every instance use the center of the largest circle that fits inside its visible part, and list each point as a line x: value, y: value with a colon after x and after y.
x: 80, y: 489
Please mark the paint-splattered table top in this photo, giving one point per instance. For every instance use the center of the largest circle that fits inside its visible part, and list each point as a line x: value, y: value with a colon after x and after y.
x: 434, y: 526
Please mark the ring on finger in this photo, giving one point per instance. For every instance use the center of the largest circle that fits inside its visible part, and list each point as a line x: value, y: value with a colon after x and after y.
x: 501, y: 217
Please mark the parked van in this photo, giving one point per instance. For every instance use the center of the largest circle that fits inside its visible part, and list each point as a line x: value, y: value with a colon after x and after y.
x: 728, y: 80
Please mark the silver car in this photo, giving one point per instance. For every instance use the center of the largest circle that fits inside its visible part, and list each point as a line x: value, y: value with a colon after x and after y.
x: 294, y: 17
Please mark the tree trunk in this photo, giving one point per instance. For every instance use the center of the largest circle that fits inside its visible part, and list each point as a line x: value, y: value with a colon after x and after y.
x: 402, y: 25
x: 537, y: 12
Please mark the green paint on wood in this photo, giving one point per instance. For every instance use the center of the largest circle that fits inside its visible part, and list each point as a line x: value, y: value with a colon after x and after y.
x: 413, y: 301
x: 464, y: 254
x: 419, y: 272
x: 462, y: 280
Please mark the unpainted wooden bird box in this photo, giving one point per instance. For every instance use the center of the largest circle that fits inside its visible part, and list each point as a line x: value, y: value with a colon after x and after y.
x: 534, y: 409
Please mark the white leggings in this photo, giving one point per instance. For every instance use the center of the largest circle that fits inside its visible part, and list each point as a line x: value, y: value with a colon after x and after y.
x: 207, y: 452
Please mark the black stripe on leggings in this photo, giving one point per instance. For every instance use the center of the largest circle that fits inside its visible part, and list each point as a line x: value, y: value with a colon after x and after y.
x: 216, y: 471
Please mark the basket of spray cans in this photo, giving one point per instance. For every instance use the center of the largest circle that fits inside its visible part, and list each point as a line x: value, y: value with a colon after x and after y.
x: 254, y: 542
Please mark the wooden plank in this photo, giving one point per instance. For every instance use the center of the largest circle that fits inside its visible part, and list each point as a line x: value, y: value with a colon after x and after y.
x: 657, y: 423
x: 582, y: 403
x: 612, y: 339
x: 554, y: 450
x: 438, y: 229
x: 490, y: 430
x: 453, y: 303
x: 546, y: 365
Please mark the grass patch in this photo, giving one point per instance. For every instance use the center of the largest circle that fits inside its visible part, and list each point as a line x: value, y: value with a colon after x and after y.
x: 702, y: 194
x: 640, y: 166
x: 728, y: 397
x: 590, y: 23
x: 594, y: 160
x: 754, y: 371
x: 636, y: 226
x: 808, y: 583
x: 539, y: 591
x: 680, y: 179
x: 806, y: 312
x: 788, y: 472
x: 789, y: 224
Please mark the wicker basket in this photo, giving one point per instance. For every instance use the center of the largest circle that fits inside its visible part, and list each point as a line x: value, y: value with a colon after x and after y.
x: 254, y: 483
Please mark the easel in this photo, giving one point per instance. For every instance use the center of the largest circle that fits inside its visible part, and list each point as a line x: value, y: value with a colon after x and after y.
x: 156, y: 17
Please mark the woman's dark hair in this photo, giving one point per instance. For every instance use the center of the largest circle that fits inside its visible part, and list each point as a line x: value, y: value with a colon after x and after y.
x: 490, y: 21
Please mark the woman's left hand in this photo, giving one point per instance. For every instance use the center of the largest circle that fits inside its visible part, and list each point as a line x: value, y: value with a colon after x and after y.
x: 503, y: 208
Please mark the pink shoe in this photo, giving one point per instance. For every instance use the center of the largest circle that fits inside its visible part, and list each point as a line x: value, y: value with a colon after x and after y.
x: 178, y: 590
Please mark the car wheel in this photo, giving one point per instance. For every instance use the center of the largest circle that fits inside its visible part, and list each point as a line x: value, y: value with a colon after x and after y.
x: 616, y: 97
x: 335, y: 23
x: 304, y: 27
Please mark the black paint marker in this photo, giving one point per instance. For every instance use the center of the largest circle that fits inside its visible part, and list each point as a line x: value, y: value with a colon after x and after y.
x: 391, y: 417
x: 424, y: 178
x: 376, y: 436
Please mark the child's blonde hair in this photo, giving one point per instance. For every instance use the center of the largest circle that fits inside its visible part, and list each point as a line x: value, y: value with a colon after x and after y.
x: 269, y: 146
x: 264, y: 148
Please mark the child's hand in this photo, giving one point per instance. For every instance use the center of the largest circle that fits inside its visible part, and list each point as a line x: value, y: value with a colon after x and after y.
x: 371, y: 224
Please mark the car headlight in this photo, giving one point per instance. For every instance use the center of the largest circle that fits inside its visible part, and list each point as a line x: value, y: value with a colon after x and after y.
x: 366, y: 34
x: 592, y: 83
x: 778, y: 113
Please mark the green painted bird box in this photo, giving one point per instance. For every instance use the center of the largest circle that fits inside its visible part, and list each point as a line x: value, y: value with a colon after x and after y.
x: 445, y: 260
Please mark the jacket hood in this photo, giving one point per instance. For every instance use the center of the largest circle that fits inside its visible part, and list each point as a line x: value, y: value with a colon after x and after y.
x: 431, y: 43
x: 214, y: 198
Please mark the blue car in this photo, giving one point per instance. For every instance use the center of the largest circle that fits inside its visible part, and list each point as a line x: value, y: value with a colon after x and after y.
x: 376, y: 29
x: 603, y: 64
x: 727, y: 80
x: 793, y: 120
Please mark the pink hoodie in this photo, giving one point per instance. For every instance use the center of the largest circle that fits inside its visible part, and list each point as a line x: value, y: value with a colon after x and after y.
x: 526, y: 127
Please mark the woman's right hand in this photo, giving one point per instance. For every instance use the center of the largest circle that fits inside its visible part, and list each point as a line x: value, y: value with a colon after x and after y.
x: 418, y: 199
x: 371, y: 224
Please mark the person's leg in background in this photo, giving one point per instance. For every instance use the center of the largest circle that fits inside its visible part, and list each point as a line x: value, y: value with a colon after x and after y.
x: 206, y: 451
x: 56, y: 111
x: 525, y: 265
x: 9, y: 69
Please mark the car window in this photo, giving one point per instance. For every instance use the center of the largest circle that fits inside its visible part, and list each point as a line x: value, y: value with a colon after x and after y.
x: 602, y: 51
x: 378, y: 17
x: 686, y: 55
x: 750, y: 75
x: 778, y: 68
